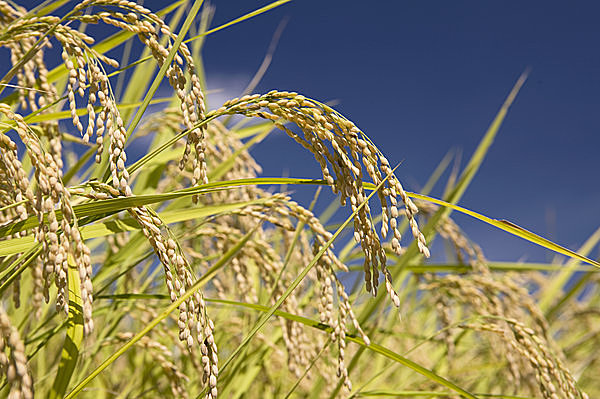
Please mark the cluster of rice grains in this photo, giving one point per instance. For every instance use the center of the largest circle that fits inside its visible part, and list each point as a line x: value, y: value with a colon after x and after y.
x: 14, y: 363
x: 194, y: 324
x: 86, y: 72
x: 147, y: 26
x: 554, y: 380
x: 502, y: 304
x: 342, y: 168
x: 319, y: 286
x: 62, y: 245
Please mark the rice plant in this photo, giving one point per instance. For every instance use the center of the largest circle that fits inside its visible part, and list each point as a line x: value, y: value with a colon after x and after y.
x: 183, y: 272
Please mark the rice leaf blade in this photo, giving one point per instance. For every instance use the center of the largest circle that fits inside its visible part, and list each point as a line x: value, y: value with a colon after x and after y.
x: 74, y: 336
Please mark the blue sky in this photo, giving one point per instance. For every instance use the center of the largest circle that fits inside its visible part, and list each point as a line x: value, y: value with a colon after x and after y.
x: 424, y: 77
x: 421, y: 78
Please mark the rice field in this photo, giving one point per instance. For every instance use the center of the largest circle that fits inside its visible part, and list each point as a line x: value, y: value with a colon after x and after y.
x: 184, y: 272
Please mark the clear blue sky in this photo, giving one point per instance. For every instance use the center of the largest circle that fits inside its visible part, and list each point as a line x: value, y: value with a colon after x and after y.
x: 423, y: 77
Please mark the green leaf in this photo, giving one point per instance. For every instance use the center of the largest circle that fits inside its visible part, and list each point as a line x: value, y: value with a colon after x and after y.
x: 118, y: 204
x: 559, y: 282
x: 74, y: 337
x: 101, y: 229
x: 243, y: 18
x: 511, y: 228
x: 114, y: 205
x: 18, y: 266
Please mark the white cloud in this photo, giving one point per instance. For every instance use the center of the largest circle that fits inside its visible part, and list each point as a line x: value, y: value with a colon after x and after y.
x: 221, y: 88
